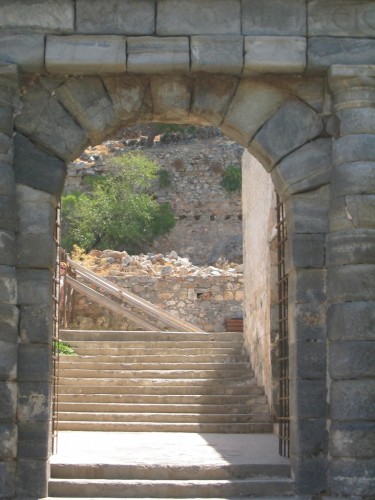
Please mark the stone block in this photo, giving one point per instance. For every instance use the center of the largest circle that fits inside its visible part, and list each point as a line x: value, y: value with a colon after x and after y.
x: 32, y: 478
x: 274, y: 54
x: 27, y: 51
x: 6, y: 117
x: 85, y: 54
x: 305, y: 250
x: 217, y: 54
x: 351, y: 321
x: 147, y: 54
x: 171, y: 98
x: 311, y: 90
x: 354, y: 178
x: 308, y: 359
x: 36, y: 324
x: 351, y: 283
x: 55, y: 130
x: 129, y: 17
x: 9, y: 315
x: 361, y: 209
x: 356, y: 121
x: 127, y: 94
x: 350, y: 359
x: 352, y: 440
x: 8, y: 213
x: 8, y: 285
x: 34, y: 440
x: 7, y: 182
x: 8, y: 442
x: 274, y: 17
x: 310, y: 474
x: 8, y: 360
x: 44, y: 16
x: 323, y: 52
x: 7, y: 248
x: 353, y: 400
x: 198, y: 17
x: 349, y: 18
x: 308, y: 399
x: 307, y: 322
x: 89, y: 103
x: 353, y: 148
x: 252, y: 105
x: 36, y: 218
x: 308, y: 212
x: 292, y: 126
x: 36, y: 251
x: 37, y: 169
x: 34, y: 362
x: 211, y: 98
x: 307, y: 285
x: 6, y: 143
x: 352, y: 477
x: 306, y: 169
x: 7, y: 478
x: 33, y: 401
x: 34, y: 287
x: 8, y: 398
x: 355, y: 246
x: 309, y: 437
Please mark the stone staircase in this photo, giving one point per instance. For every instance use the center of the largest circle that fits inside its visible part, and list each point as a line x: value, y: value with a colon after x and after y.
x: 159, y: 382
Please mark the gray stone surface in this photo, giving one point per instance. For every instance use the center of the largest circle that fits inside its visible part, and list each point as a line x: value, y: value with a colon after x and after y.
x: 36, y: 324
x: 5, y: 143
x: 274, y: 54
x: 34, y: 14
x: 36, y: 211
x: 292, y: 126
x: 353, y: 148
x: 148, y: 54
x: 33, y: 401
x: 308, y: 212
x: 351, y: 283
x: 323, y: 52
x: 311, y: 474
x: 55, y: 130
x: 8, y: 398
x: 7, y: 248
x: 86, y: 54
x: 88, y: 101
x: 274, y: 17
x: 352, y: 359
x: 37, y: 169
x: 355, y: 18
x: 8, y: 442
x: 7, y: 476
x: 37, y: 251
x: 34, y: 362
x: 311, y: 90
x: 361, y: 209
x: 198, y: 17
x: 308, y: 398
x: 171, y: 98
x: 7, y: 184
x: 357, y: 121
x: 8, y: 360
x: 6, y: 119
x: 308, y: 359
x: 305, y: 250
x: 353, y: 440
x: 308, y: 322
x: 32, y: 477
x: 8, y: 212
x: 9, y: 315
x: 309, y: 438
x: 353, y: 477
x: 126, y: 93
x: 217, y: 54
x: 34, y: 440
x: 27, y: 51
x: 8, y: 285
x: 353, y: 400
x: 351, y: 321
x: 123, y: 17
x: 251, y: 106
x: 354, y: 178
x: 355, y: 246
x: 307, y: 285
x: 211, y: 98
x: 305, y: 169
x: 34, y: 286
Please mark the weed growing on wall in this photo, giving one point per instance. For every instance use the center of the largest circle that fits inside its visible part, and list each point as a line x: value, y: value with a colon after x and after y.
x: 232, y: 179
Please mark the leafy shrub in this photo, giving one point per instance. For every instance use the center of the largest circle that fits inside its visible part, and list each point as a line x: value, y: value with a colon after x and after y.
x: 63, y: 348
x: 165, y: 178
x: 232, y: 179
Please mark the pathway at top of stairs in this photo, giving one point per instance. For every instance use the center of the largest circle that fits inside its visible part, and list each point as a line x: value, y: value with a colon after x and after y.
x: 159, y: 382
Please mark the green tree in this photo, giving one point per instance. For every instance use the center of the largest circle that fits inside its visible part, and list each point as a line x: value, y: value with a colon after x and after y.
x: 118, y: 210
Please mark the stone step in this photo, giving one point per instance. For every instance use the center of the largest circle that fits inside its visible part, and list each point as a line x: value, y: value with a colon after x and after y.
x: 73, y: 362
x: 87, y: 350
x: 164, y: 345
x: 119, y: 335
x: 83, y: 373
x: 157, y: 359
x: 230, y: 428
x: 184, y: 399
x: 142, y: 383
x: 165, y: 417
x: 171, y: 471
x: 162, y: 408
x: 125, y: 488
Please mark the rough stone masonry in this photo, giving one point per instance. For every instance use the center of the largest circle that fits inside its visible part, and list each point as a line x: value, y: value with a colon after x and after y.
x: 293, y: 81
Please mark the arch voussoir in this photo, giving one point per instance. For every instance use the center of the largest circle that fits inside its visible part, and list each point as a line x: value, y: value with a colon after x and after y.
x: 171, y: 98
